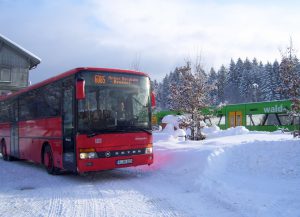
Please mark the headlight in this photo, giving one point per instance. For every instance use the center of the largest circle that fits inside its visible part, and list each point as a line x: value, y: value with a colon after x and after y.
x: 92, y: 155
x: 148, y: 150
x: 88, y: 153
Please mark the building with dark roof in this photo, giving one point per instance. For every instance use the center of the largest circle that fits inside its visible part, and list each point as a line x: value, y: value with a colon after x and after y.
x: 15, y: 63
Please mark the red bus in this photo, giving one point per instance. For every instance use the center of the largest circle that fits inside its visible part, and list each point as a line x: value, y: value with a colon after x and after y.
x: 86, y: 119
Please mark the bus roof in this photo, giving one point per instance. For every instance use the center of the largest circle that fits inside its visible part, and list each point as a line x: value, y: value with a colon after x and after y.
x: 68, y: 73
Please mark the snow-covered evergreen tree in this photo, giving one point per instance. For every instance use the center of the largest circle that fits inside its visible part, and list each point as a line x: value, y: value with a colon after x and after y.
x: 268, y: 92
x: 163, y: 94
x: 276, y: 81
x: 154, y: 86
x: 212, y: 80
x: 230, y: 86
x: 233, y: 81
x: 243, y: 81
x: 221, y: 84
x: 258, y: 71
x: 246, y: 82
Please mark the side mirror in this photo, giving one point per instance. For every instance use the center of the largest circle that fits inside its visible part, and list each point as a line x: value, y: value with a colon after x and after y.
x: 80, y: 89
x: 153, y: 103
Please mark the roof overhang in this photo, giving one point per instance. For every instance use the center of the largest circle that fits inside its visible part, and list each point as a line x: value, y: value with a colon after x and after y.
x: 33, y: 59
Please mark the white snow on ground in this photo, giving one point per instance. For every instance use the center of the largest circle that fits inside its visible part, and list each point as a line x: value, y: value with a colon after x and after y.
x: 232, y: 173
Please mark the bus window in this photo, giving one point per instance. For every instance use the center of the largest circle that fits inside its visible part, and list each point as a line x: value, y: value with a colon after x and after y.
x: 221, y: 120
x: 119, y: 106
x: 4, y: 112
x: 215, y: 120
x: 296, y: 121
x: 207, y: 121
x: 249, y: 120
x: 285, y: 119
x: 272, y: 120
x: 255, y: 120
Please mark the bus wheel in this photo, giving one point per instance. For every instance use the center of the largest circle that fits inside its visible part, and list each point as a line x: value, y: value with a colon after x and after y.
x: 49, y: 161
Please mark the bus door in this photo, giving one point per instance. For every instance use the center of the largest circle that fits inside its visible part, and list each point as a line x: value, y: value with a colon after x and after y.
x: 235, y: 119
x: 14, y: 132
x: 69, y: 154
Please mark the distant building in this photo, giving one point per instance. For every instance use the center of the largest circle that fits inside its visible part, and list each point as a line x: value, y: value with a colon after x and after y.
x: 15, y: 63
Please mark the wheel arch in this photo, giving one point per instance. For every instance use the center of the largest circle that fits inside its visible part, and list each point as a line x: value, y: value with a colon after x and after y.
x: 45, y: 144
x: 3, y: 142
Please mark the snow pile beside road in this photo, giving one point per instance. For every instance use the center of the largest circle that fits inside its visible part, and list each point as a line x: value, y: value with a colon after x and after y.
x: 263, y: 159
x: 245, y: 173
x: 215, y: 131
x: 211, y: 132
x: 259, y: 177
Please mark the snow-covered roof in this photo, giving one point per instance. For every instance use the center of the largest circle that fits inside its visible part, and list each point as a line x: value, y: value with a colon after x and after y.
x: 34, y: 60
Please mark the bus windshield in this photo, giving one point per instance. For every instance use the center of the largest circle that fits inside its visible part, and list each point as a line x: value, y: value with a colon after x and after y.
x: 114, y: 102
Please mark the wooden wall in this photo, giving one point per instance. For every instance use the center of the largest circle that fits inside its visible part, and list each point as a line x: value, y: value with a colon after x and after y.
x: 17, y: 65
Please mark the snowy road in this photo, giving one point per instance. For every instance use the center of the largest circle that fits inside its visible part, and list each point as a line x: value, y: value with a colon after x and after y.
x: 222, y: 176
x: 26, y: 190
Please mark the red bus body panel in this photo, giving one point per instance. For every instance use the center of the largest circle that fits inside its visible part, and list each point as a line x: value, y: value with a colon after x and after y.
x: 34, y: 133
x: 113, y: 142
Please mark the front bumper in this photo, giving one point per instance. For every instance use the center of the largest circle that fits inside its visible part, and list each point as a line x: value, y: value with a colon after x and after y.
x: 110, y: 162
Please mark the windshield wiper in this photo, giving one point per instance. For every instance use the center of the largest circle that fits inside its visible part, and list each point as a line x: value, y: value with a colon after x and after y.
x: 145, y: 130
x: 107, y: 130
x: 141, y: 104
x: 92, y: 134
x: 118, y: 129
x: 139, y: 129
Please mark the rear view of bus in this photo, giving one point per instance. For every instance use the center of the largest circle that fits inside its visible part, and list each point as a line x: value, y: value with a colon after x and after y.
x: 113, y: 121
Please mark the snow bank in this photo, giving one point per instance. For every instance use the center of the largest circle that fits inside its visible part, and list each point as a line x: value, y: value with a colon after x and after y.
x: 171, y: 119
x: 215, y: 131
x: 161, y: 136
x: 255, y: 176
x: 211, y: 130
x: 172, y: 128
x: 268, y: 159
x: 245, y: 173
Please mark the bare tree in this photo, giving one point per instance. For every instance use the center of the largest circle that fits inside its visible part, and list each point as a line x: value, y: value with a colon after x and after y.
x: 135, y: 65
x: 289, y: 73
x: 189, y: 94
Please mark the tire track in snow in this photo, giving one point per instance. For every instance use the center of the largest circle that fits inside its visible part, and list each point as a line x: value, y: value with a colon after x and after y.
x: 74, y: 197
x: 109, y: 193
x: 53, y: 205
x: 100, y: 184
x: 152, y: 198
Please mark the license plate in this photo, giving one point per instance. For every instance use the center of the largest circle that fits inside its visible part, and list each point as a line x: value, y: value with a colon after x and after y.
x: 126, y: 161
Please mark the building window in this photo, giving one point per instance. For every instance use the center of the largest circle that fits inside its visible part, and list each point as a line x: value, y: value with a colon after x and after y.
x: 5, y: 75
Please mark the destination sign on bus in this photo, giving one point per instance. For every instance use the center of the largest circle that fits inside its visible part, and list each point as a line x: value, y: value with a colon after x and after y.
x: 113, y: 79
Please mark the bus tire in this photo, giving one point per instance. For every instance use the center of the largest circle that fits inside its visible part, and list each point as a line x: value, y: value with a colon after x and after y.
x: 5, y: 156
x: 48, y: 161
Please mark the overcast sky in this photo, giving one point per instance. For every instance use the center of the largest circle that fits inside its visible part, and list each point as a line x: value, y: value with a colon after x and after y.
x: 156, y: 34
